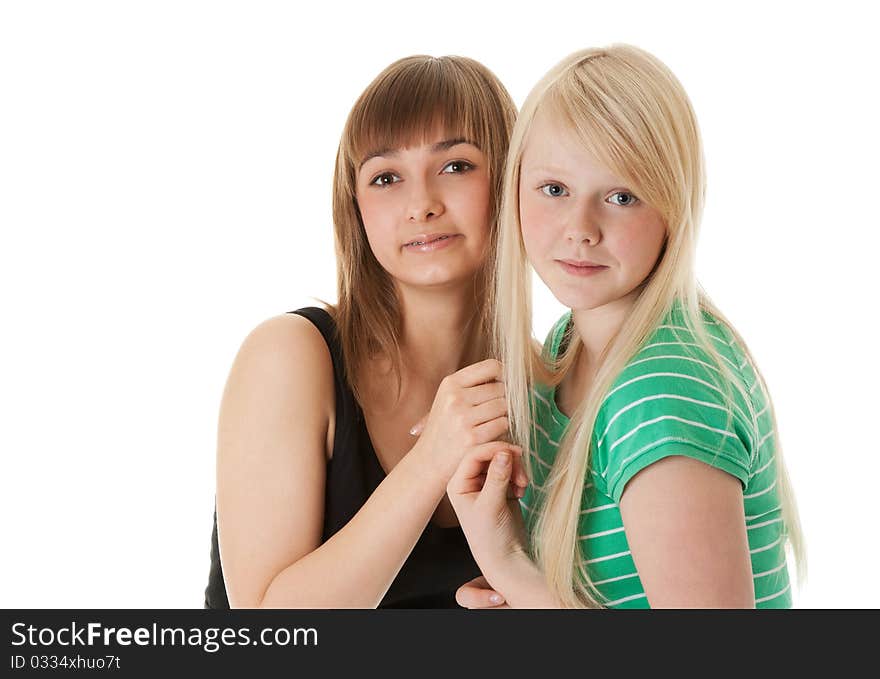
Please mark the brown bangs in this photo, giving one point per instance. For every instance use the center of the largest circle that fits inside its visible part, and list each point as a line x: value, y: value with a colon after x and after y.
x: 410, y: 103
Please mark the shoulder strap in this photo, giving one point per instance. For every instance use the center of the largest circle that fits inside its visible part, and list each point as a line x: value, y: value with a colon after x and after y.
x: 322, y: 320
x: 346, y: 404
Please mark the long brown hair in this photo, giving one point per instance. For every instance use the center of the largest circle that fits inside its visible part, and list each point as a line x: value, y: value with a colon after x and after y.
x: 402, y: 106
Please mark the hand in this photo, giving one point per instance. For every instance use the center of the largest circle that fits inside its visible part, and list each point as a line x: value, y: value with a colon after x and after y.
x: 478, y: 593
x: 490, y: 518
x: 469, y: 409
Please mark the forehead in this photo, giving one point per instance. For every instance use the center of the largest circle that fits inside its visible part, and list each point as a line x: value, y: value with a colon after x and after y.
x: 552, y: 145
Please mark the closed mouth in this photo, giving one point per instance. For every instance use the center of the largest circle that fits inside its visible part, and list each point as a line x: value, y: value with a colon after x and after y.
x: 583, y: 264
x: 426, y: 239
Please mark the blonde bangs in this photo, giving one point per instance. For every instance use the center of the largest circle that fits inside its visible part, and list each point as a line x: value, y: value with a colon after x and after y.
x: 624, y: 113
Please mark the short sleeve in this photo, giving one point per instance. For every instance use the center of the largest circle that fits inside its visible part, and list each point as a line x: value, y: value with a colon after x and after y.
x: 664, y: 405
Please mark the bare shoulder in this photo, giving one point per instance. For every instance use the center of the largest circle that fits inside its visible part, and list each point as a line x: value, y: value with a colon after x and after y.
x: 287, y: 343
x: 275, y: 416
x: 286, y: 351
x: 283, y: 369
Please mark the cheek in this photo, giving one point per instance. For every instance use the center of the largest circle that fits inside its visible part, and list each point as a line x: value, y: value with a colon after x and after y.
x: 535, y: 231
x: 471, y: 206
x: 375, y: 216
x: 638, y: 245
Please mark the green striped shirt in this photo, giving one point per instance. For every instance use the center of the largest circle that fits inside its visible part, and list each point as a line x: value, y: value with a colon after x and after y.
x: 665, y: 403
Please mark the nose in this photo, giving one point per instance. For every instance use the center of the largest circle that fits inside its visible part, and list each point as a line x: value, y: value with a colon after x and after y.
x: 424, y: 204
x: 583, y: 227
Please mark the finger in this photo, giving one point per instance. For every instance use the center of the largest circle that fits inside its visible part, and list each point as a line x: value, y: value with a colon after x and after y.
x: 519, y: 477
x: 488, y: 411
x: 478, y: 373
x: 473, y: 485
x: 492, y: 430
x: 478, y: 594
x: 494, y: 493
x: 475, y: 462
x: 418, y: 427
x: 484, y: 392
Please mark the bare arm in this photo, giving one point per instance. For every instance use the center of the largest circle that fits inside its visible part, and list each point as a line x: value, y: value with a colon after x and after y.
x: 685, y: 524
x: 271, y: 476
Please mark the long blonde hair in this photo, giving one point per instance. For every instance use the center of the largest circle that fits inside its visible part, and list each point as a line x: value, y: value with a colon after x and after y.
x: 402, y: 106
x: 633, y: 115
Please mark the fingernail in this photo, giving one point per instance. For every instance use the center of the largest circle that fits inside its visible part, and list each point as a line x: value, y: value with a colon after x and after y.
x: 503, y: 459
x: 495, y: 598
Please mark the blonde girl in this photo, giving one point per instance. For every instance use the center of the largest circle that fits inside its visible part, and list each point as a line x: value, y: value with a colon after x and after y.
x: 322, y: 500
x: 657, y: 478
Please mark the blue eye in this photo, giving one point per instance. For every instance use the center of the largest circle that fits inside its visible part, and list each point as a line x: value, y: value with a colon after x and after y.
x: 624, y: 199
x: 461, y: 165
x: 553, y: 190
x: 380, y: 180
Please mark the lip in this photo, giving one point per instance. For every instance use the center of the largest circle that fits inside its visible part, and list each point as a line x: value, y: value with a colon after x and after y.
x: 581, y: 267
x: 580, y: 262
x: 426, y: 238
x: 430, y: 242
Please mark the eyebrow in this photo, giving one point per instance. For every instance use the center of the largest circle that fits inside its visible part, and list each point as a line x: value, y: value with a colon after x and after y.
x: 444, y: 145
x: 546, y: 169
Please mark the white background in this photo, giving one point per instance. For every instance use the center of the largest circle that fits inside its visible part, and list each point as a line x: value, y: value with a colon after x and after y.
x: 165, y: 178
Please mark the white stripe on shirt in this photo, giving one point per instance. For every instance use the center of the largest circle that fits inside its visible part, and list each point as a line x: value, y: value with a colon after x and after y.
x: 599, y: 535
x: 763, y: 523
x: 668, y: 417
x: 652, y: 398
x: 766, y: 547
x: 758, y: 471
x: 627, y: 598
x: 544, y: 400
x: 609, y: 557
x: 770, y: 572
x: 773, y: 596
x: 760, y: 492
x: 679, y: 344
x: 597, y: 509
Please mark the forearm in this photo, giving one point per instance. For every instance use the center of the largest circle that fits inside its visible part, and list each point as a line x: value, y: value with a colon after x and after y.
x: 357, y: 565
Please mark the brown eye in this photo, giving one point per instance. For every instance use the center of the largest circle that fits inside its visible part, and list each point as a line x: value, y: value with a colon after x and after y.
x: 457, y: 167
x: 385, y: 179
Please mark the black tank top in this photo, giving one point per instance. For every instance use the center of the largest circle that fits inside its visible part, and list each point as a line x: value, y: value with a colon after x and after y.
x: 440, y: 562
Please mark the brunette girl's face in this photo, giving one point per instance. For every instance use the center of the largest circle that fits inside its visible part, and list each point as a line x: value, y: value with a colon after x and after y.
x: 426, y: 210
x: 587, y: 235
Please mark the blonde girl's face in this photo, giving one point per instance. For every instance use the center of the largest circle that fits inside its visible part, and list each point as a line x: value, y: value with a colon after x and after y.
x: 426, y: 210
x: 589, y: 237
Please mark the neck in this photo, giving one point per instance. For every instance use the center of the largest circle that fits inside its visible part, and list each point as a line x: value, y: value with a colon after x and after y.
x: 439, y: 331
x: 597, y: 327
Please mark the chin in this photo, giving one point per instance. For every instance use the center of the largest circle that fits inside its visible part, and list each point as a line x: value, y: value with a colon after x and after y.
x: 580, y: 300
x: 581, y: 303
x: 438, y: 279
